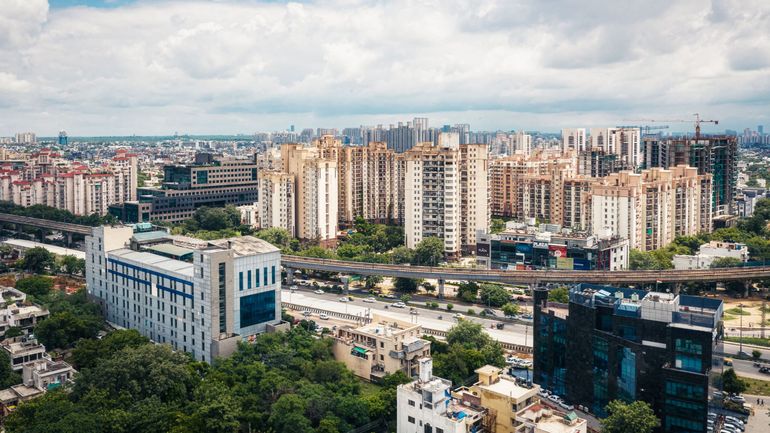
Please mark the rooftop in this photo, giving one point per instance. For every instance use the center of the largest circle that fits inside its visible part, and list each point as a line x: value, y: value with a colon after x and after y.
x: 245, y: 245
x: 508, y: 387
x: 170, y: 250
x: 53, y: 249
x: 165, y: 263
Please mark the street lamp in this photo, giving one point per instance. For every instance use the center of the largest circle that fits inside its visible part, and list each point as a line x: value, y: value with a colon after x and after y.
x: 740, y: 331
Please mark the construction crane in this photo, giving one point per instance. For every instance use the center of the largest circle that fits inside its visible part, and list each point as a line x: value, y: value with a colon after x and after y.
x: 698, y: 121
x: 644, y: 128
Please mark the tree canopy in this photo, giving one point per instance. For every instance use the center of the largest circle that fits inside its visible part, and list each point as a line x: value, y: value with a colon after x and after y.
x: 637, y: 417
x: 494, y: 295
x: 35, y: 285
x: 38, y: 260
x: 559, y: 294
x: 467, y: 348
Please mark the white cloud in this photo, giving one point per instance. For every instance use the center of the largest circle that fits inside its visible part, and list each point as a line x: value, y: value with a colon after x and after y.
x: 163, y: 66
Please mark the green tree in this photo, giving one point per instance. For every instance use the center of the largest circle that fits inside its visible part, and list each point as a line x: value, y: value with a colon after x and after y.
x: 511, y: 309
x: 731, y: 383
x: 405, y: 298
x: 429, y: 252
x: 38, y: 260
x: 73, y: 265
x: 468, y: 291
x: 279, y: 237
x: 402, y: 255
x: 494, y: 295
x: 213, y: 410
x: 559, y: 294
x: 637, y: 417
x: 14, y: 331
x: 288, y: 415
x: 88, y: 352
x: 496, y: 225
x: 8, y: 377
x: 37, y: 286
x: 755, y: 355
x: 406, y: 285
x: 61, y: 330
x: 372, y: 281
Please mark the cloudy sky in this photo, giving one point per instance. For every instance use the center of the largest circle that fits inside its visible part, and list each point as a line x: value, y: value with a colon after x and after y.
x: 143, y: 67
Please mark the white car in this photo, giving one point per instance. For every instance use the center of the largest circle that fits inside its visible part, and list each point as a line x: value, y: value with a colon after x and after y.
x: 554, y: 398
x: 733, y: 426
x: 370, y: 300
x: 307, y: 313
x: 738, y: 399
x: 344, y: 299
x: 566, y: 406
x: 318, y: 292
x: 733, y: 419
x: 323, y: 316
x: 398, y: 305
x: 294, y: 287
x: 458, y: 316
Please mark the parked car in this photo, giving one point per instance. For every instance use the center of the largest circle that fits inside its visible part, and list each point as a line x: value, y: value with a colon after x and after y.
x: 566, y: 406
x: 318, y: 292
x: 398, y: 305
x: 554, y: 398
x: 323, y: 316
x: 738, y: 399
x: 370, y: 299
x: 489, y: 312
x: 764, y: 370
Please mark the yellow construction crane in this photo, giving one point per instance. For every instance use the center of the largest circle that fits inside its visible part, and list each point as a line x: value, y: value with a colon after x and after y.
x: 698, y: 121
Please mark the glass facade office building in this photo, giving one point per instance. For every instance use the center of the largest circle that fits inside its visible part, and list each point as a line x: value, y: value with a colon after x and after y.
x: 219, y: 292
x: 610, y: 343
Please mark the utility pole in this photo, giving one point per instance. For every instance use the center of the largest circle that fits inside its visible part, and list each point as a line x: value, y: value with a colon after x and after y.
x: 762, y: 325
x: 740, y: 331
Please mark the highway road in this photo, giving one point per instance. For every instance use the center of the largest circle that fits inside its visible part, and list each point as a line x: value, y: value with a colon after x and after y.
x: 512, y: 333
x: 635, y: 277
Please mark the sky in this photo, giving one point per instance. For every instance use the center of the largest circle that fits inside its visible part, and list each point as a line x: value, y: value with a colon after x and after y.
x: 156, y: 67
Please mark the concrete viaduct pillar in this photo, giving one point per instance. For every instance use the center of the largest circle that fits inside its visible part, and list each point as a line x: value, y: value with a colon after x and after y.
x: 289, y: 275
x: 68, y: 239
x: 441, y: 288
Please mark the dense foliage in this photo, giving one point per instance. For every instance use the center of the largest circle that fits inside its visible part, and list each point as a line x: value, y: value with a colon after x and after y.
x: 72, y: 317
x: 210, y: 223
x: 467, y: 348
x: 53, y: 214
x: 559, y: 294
x: 637, y: 417
x: 283, y: 383
x: 38, y: 260
x: 731, y: 383
x: 36, y: 285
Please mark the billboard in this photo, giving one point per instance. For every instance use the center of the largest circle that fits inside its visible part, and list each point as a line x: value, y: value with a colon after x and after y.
x: 482, y: 250
x: 581, y: 265
x: 524, y: 248
x: 558, y: 250
x: 564, y: 263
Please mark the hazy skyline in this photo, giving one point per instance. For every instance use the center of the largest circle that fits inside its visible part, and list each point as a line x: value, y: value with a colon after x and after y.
x: 124, y: 67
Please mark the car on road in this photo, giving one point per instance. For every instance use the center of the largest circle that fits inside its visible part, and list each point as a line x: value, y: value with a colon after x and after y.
x: 370, y: 299
x: 318, y: 292
x: 390, y: 296
x: 413, y: 311
x: 307, y: 313
x: 398, y: 305
x: 323, y: 316
x: 458, y: 316
x: 566, y: 406
x: 344, y: 299
x: 764, y: 370
x: 554, y: 398
x: 489, y: 312
x: 293, y: 287
x: 738, y: 399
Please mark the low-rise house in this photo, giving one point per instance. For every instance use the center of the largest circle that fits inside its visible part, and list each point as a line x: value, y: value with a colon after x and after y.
x: 381, y: 347
x: 23, y: 351
x: 709, y: 252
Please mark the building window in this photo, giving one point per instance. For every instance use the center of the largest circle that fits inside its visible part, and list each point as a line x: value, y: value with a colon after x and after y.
x: 411, y: 403
x: 222, y: 299
x: 256, y: 272
x: 257, y: 308
x: 272, y: 277
x: 248, y: 280
x: 410, y: 419
x: 240, y: 281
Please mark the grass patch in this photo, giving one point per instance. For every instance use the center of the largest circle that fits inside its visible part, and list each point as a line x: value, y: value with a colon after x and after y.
x: 754, y: 341
x: 369, y: 388
x: 756, y: 387
x: 738, y: 311
x: 727, y: 317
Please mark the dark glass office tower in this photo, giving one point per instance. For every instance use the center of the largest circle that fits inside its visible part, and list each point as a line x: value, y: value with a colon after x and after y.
x: 610, y: 343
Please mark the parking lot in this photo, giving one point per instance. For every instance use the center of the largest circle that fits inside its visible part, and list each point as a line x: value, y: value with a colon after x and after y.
x: 760, y: 421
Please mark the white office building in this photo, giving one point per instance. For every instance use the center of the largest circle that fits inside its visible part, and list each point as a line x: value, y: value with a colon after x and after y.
x: 199, y: 300
x: 573, y: 138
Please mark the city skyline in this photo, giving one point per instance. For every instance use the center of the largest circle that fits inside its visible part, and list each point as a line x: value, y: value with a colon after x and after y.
x: 206, y: 67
